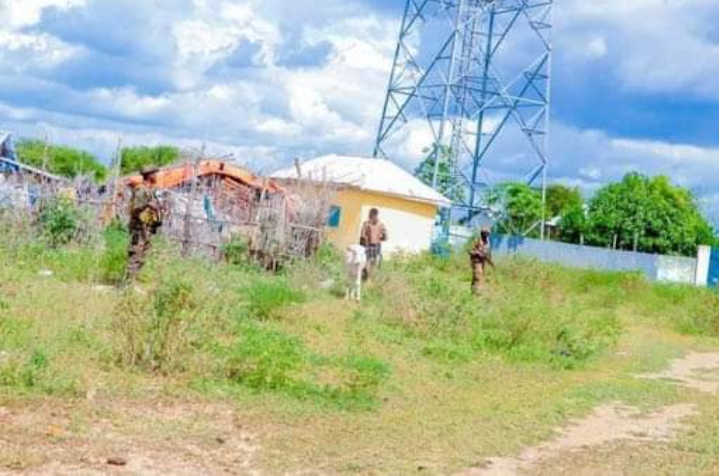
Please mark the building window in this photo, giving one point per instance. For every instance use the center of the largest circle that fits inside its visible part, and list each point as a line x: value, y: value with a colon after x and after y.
x: 333, y: 220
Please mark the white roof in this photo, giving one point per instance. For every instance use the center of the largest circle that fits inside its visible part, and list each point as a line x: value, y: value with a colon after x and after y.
x: 375, y: 175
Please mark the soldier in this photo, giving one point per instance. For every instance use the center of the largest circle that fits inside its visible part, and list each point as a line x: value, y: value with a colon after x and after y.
x: 480, y: 255
x: 145, y: 220
x: 374, y: 233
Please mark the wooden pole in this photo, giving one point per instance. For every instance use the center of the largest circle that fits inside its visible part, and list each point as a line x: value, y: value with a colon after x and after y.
x: 187, y: 232
x: 111, y: 205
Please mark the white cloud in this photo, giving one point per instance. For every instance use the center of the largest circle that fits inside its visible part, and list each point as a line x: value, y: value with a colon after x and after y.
x: 21, y: 13
x: 214, y: 33
x: 216, y: 70
x: 651, y: 46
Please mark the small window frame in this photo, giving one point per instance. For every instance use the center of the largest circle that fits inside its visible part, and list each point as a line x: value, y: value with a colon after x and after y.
x: 334, y: 217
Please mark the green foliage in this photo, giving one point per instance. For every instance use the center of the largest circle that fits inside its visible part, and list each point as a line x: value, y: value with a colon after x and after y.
x: 113, y: 260
x: 136, y: 158
x: 431, y: 299
x: 263, y: 359
x: 561, y: 199
x: 61, y: 160
x: 521, y: 205
x: 236, y: 251
x: 152, y: 329
x: 266, y: 297
x: 663, y: 218
x: 236, y: 328
x: 573, y: 225
x: 447, y: 182
x: 60, y: 221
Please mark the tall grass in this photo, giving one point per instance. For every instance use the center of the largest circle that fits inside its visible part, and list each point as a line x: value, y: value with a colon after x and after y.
x: 228, y: 326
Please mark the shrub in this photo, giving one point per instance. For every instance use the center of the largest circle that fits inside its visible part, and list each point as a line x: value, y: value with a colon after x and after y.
x: 236, y: 251
x: 60, y: 221
x: 113, y: 260
x: 264, y: 359
x: 152, y: 329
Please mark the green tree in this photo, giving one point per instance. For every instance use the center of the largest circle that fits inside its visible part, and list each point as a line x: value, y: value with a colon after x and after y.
x: 135, y: 158
x: 60, y: 160
x: 573, y: 224
x: 448, y: 183
x: 567, y: 204
x: 521, y: 206
x: 660, y: 217
x: 561, y: 199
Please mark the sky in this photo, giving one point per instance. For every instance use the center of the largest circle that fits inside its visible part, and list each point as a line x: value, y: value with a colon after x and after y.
x: 635, y: 84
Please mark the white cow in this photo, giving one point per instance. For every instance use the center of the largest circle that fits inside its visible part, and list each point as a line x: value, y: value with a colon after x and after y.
x: 356, y: 262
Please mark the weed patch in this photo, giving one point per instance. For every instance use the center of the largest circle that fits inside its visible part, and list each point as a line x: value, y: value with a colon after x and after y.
x: 264, y: 359
x: 266, y: 297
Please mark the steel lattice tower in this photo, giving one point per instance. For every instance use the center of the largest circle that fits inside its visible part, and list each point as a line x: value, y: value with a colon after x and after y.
x: 473, y: 76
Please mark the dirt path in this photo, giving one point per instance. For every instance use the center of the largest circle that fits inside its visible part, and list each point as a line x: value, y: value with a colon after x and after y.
x: 89, y: 438
x: 616, y: 422
x: 698, y: 371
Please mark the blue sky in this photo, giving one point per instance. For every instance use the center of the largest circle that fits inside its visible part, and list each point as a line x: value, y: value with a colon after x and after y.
x: 635, y: 84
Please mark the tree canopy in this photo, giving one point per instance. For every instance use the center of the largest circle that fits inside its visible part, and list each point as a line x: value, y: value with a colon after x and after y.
x: 661, y: 217
x: 447, y: 182
x: 135, y: 159
x: 60, y: 160
x: 521, y: 205
x: 561, y: 199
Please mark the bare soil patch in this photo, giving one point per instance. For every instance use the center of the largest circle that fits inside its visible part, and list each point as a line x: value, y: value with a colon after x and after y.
x: 698, y: 371
x: 615, y: 422
x: 609, y: 423
x: 180, y: 438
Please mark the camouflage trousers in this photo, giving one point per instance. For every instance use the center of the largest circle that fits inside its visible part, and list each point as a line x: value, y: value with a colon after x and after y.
x: 477, y: 277
x: 140, y: 241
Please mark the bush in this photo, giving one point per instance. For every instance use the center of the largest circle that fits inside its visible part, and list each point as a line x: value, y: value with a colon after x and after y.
x: 264, y: 359
x: 152, y: 329
x: 237, y: 251
x: 60, y: 222
x: 113, y: 260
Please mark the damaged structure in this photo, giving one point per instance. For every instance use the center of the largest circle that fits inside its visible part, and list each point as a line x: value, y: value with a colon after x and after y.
x: 210, y: 203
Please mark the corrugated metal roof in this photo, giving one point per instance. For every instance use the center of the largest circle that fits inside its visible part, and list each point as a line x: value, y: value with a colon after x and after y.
x: 375, y: 175
x: 28, y: 168
x: 173, y: 176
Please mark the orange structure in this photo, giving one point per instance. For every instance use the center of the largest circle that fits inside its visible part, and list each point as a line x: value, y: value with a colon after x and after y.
x: 171, y: 177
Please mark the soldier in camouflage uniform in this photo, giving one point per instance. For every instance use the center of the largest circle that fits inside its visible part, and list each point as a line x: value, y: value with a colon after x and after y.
x: 480, y: 256
x: 145, y: 220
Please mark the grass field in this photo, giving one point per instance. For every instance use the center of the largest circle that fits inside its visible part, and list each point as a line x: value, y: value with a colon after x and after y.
x: 206, y: 361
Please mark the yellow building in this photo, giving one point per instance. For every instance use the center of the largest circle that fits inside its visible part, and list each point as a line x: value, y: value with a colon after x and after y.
x: 407, y: 207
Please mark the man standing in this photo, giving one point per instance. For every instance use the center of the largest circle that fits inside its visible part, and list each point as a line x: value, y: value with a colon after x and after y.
x: 373, y: 234
x: 480, y: 255
x: 145, y: 220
